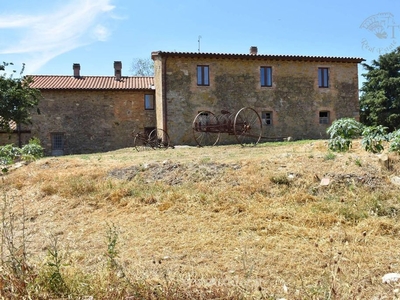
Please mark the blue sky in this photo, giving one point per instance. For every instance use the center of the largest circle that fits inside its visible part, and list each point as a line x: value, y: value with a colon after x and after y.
x: 50, y: 35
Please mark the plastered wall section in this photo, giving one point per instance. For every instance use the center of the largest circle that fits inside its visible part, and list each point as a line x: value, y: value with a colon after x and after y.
x: 91, y: 121
x: 295, y: 100
x: 159, y: 77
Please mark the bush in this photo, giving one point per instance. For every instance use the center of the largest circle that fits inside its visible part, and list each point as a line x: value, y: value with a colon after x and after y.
x: 341, y: 133
x: 394, y: 138
x: 33, y: 150
x: 9, y: 153
x: 373, y: 138
x: 339, y: 144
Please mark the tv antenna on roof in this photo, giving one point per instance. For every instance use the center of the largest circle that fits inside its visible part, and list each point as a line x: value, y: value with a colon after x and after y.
x: 199, y: 42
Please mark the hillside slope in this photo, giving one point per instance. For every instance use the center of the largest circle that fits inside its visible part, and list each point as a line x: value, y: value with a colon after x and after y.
x: 279, y: 220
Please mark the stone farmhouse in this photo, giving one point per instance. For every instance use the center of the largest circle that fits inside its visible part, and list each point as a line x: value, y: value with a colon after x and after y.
x: 296, y: 96
x: 87, y: 114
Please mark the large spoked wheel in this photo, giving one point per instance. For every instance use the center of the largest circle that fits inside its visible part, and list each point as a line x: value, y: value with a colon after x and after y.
x: 159, y: 139
x: 247, y: 127
x: 206, y: 129
x: 141, y: 143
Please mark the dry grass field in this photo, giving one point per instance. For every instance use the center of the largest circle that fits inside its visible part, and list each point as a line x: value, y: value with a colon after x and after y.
x: 276, y: 221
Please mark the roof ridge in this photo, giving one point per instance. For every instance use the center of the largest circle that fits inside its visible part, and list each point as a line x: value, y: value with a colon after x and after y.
x: 112, y: 76
x: 92, y: 82
x: 284, y: 56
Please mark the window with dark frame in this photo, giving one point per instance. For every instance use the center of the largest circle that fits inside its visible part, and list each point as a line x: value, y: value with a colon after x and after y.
x: 323, y: 77
x: 203, y: 78
x: 266, y: 117
x: 149, y: 102
x: 57, y: 141
x: 324, y: 117
x: 266, y: 76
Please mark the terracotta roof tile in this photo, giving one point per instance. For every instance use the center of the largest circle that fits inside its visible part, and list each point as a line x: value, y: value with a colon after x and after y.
x: 59, y: 82
x: 12, y: 124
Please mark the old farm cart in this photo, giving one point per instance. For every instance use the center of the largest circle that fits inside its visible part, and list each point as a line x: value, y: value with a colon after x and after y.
x: 156, y: 139
x: 245, y: 125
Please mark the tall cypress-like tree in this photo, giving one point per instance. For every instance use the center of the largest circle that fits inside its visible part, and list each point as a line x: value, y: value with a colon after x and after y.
x: 380, y: 93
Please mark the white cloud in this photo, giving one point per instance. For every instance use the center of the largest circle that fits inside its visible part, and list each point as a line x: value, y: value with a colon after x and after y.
x: 43, y: 37
x: 16, y: 21
x: 101, y: 33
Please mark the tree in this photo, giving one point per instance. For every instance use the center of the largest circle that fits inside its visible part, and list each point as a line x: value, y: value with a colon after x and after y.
x: 380, y: 94
x: 142, y: 67
x: 17, y: 98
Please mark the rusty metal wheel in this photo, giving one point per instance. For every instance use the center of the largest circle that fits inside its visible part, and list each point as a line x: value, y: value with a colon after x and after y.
x: 141, y: 143
x: 247, y: 127
x: 205, y: 128
x: 159, y: 139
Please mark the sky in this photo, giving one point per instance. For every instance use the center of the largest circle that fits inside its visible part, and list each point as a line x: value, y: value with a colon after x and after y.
x: 49, y: 36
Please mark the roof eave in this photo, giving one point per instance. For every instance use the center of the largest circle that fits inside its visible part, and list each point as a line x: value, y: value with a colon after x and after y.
x: 258, y: 56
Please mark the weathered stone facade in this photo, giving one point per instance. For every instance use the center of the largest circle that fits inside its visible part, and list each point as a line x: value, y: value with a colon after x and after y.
x: 13, y: 138
x: 18, y: 136
x: 91, y: 120
x: 295, y: 100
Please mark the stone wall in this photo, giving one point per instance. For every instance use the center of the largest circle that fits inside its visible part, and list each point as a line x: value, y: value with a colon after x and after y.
x: 295, y: 99
x: 91, y: 120
x: 13, y: 138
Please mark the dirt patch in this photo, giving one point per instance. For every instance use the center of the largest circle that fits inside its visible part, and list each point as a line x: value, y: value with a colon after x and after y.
x: 173, y: 173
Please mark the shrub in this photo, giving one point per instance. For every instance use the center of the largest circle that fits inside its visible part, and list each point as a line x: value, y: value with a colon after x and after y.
x: 341, y: 133
x: 394, y: 138
x: 9, y: 153
x: 33, y: 150
x: 373, y: 138
x: 339, y: 144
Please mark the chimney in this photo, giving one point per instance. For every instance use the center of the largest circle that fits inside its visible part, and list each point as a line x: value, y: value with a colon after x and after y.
x: 76, y: 68
x: 253, y: 50
x: 117, y: 70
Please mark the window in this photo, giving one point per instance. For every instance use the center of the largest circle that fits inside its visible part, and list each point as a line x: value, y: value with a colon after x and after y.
x: 324, y: 117
x: 203, y: 75
x: 323, y: 77
x: 266, y: 117
x: 57, y: 141
x: 266, y: 76
x: 148, y: 102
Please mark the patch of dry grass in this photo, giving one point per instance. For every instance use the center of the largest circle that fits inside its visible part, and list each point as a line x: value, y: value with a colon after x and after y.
x: 223, y: 221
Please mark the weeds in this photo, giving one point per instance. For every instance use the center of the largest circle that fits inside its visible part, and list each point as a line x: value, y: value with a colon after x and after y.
x: 281, y: 179
x: 14, y: 238
x: 112, y: 252
x: 330, y: 156
x: 51, y: 278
